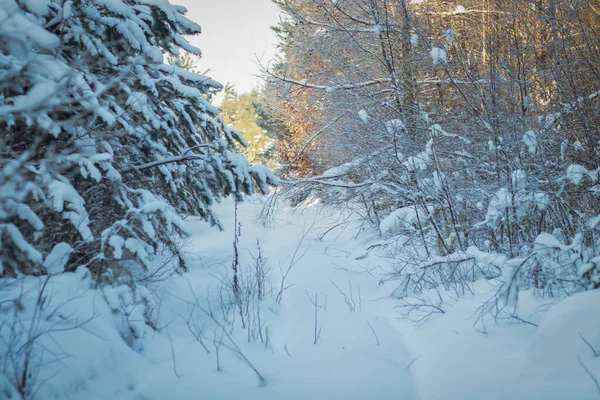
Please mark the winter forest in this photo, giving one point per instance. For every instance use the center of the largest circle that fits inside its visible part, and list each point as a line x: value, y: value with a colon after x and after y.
x: 408, y: 207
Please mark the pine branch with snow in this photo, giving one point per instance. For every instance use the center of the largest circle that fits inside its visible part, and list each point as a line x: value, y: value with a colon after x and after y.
x: 107, y: 144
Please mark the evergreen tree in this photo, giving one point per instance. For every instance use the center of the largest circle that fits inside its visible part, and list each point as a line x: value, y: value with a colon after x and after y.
x: 240, y: 112
x: 103, y: 144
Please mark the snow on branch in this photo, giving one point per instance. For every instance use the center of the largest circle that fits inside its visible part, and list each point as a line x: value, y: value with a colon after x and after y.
x: 330, y: 89
x: 358, y: 85
x: 185, y: 156
x: 329, y: 183
x: 461, y: 10
x: 553, y: 118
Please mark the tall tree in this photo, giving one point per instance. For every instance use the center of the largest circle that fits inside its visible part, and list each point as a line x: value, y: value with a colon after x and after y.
x: 104, y: 145
x: 240, y: 112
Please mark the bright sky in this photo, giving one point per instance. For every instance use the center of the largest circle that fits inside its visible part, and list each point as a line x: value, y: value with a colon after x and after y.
x: 234, y: 34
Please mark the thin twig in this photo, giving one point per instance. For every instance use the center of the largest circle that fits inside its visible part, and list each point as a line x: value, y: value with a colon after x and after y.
x: 411, y: 363
x: 594, y: 351
x: 172, y: 354
x: 587, y: 371
x: 374, y: 333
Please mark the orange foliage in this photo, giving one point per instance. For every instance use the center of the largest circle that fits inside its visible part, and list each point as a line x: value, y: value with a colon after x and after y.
x: 301, y: 126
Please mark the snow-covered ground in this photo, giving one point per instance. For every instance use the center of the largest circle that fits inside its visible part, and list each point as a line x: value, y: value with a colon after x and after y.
x: 363, y: 349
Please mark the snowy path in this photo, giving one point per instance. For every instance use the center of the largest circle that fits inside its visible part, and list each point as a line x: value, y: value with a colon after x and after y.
x: 346, y: 362
x: 364, y: 350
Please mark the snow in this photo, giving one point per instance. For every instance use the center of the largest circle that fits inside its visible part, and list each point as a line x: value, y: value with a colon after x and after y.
x: 264, y: 175
x: 395, y: 126
x: 61, y: 181
x: 364, y: 350
x: 39, y: 7
x: 189, y: 75
x: 436, y: 131
x: 348, y: 361
x: 439, y: 56
x: 542, y: 200
x: 57, y: 259
x: 419, y: 162
x: 519, y: 179
x: 548, y: 240
x: 320, y: 32
x: 138, y: 247
x: 11, y: 232
x: 23, y: 211
x: 84, y: 355
x: 559, y: 348
x: 64, y: 198
x: 495, y: 259
x: 39, y: 94
x: 117, y: 243
x: 364, y: 117
x: 586, y: 268
x: 67, y: 10
x: 404, y: 218
x: 575, y: 173
x: 15, y: 24
x: 498, y: 203
x: 343, y: 169
x: 530, y: 140
x: 184, y: 90
x: 594, y: 174
x: 414, y: 40
x: 110, y: 152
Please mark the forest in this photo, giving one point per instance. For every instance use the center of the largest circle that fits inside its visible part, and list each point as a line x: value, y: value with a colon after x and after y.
x: 408, y: 207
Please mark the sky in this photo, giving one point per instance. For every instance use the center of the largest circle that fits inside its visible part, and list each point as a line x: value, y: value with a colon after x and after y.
x: 234, y: 34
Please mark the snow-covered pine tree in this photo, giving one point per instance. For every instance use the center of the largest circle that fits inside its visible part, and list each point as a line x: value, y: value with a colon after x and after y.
x: 103, y: 144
